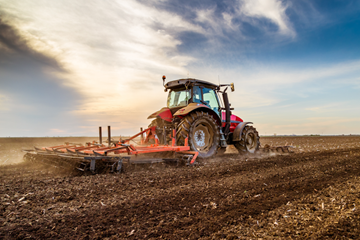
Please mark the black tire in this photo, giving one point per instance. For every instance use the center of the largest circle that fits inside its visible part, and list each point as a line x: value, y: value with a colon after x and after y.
x: 249, y: 141
x: 203, y: 133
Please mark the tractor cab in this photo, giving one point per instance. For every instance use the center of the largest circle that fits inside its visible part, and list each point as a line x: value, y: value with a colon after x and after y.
x: 186, y: 91
x: 181, y: 97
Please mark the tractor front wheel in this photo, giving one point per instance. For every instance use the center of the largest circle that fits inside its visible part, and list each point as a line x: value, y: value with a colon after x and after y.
x: 202, y: 131
x: 249, y: 141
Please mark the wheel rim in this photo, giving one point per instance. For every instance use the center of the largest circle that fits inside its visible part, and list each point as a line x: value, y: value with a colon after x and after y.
x: 250, y: 142
x: 203, y: 137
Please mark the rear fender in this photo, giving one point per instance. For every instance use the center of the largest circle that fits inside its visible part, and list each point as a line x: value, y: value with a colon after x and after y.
x: 164, y: 113
x: 238, y: 131
x: 192, y: 107
x: 234, y: 121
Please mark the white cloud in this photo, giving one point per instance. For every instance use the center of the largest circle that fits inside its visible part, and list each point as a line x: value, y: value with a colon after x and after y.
x: 214, y: 26
x: 274, y: 10
x: 109, y: 49
x: 228, y: 24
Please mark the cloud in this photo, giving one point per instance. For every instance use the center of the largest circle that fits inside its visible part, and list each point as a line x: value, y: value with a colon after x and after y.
x: 277, y: 75
x: 12, y: 41
x: 259, y: 85
x: 216, y: 25
x: 124, y: 43
x: 114, y: 53
x: 332, y: 107
x: 229, y: 21
x: 273, y: 10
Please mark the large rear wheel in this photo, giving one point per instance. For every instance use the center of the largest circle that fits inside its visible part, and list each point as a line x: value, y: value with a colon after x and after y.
x: 203, y: 132
x: 249, y: 141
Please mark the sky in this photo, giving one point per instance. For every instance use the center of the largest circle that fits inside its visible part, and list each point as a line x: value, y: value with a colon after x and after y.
x: 68, y: 67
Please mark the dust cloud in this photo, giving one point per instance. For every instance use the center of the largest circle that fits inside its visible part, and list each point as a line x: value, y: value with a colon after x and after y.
x: 11, y: 149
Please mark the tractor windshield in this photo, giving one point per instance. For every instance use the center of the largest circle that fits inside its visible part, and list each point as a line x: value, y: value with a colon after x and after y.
x: 178, y: 98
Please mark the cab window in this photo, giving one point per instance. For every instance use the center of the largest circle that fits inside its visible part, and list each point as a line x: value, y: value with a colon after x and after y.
x: 178, y: 98
x: 197, y: 98
x: 210, y: 99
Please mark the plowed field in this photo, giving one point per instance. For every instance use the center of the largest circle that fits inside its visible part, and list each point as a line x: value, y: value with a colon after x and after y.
x: 313, y: 193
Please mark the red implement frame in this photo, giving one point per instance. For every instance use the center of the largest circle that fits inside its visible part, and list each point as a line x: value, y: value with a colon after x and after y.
x: 123, y: 146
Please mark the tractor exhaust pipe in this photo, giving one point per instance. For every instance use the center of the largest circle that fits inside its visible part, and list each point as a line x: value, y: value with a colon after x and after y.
x: 227, y: 113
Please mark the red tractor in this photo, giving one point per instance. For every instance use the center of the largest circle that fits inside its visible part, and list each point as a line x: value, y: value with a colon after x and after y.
x: 194, y: 124
x: 194, y: 109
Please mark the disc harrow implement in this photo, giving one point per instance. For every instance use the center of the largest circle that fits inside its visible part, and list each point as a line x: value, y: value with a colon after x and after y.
x: 97, y: 157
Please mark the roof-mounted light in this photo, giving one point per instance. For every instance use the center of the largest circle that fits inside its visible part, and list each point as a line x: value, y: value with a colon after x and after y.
x: 232, y: 86
x: 164, y: 78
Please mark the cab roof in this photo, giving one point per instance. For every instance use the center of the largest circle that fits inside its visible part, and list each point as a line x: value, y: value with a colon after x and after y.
x: 189, y: 82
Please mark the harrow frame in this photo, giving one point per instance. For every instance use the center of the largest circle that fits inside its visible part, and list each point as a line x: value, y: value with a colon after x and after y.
x: 92, y: 153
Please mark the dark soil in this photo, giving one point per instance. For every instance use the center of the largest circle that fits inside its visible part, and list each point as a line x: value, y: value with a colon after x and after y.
x: 313, y: 193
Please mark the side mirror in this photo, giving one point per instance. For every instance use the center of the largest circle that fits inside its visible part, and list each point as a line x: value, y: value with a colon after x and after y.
x: 232, y: 86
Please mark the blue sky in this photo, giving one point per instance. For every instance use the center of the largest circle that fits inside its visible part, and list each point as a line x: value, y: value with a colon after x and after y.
x: 68, y: 67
